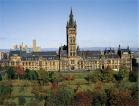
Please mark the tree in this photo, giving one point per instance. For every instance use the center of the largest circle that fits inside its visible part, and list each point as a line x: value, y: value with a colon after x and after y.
x: 60, y: 97
x: 11, y: 73
x: 5, y: 93
x: 83, y: 98
x: 118, y: 97
x: 31, y: 75
x: 134, y: 92
x: 122, y: 74
x: 94, y: 76
x: 27, y: 74
x: 51, y: 77
x: 106, y: 75
x: 34, y: 75
x: 88, y: 78
x: 100, y: 75
x: 133, y: 76
x: 19, y: 71
x: 21, y: 100
x: 98, y: 94
x: 0, y: 77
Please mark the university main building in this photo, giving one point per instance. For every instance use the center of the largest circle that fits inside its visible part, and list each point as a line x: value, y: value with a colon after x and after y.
x: 69, y: 57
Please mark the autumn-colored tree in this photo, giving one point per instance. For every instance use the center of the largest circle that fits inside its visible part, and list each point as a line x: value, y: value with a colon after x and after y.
x: 83, y: 98
x: 61, y: 97
x: 118, y: 97
x: 98, y: 94
x: 19, y: 71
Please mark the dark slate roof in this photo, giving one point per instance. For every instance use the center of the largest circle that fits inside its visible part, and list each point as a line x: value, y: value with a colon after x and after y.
x: 24, y: 58
x: 125, y: 50
x: 109, y: 51
x: 51, y: 57
x: 16, y: 52
x: 89, y: 54
x: 48, y: 53
x: 111, y: 56
x: 33, y: 58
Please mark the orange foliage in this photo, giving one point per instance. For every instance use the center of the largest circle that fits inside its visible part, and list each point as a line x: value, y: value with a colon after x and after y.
x: 19, y: 70
x: 83, y: 99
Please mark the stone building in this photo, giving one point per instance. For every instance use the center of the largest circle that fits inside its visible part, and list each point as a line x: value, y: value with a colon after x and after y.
x: 70, y: 58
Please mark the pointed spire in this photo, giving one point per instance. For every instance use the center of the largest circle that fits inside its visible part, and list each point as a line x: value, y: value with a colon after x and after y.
x: 71, y: 15
x: 71, y: 22
x: 128, y: 47
x: 119, y: 47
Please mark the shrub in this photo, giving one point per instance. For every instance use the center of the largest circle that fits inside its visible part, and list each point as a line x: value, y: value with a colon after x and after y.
x: 21, y: 100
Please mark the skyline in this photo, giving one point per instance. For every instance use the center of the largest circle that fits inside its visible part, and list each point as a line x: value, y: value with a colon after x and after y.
x: 46, y: 20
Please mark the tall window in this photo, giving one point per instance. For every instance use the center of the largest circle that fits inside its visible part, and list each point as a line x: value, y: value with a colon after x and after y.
x: 72, y: 61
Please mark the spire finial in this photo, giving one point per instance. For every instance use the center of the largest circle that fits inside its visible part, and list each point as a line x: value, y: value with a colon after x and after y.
x: 71, y: 14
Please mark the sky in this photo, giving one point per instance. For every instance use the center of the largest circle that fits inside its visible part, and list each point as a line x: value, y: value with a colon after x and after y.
x: 100, y: 23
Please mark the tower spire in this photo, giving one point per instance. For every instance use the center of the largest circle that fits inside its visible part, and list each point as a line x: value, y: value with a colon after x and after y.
x: 71, y: 14
x: 71, y: 22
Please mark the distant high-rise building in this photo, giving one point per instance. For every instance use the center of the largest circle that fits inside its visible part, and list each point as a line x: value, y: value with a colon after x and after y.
x: 34, y: 46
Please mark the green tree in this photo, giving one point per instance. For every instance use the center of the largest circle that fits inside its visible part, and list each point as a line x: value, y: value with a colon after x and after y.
x: 134, y: 92
x: 51, y: 77
x: 121, y: 75
x: 27, y: 74
x: 93, y: 76
x: 34, y: 75
x: 133, y: 76
x: 21, y: 100
x: 0, y: 77
x: 11, y: 73
x: 5, y: 93
x: 106, y: 75
x: 99, y: 98
x: 31, y: 75
x: 61, y: 97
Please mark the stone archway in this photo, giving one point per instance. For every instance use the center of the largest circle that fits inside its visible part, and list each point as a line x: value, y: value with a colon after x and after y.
x: 72, y: 68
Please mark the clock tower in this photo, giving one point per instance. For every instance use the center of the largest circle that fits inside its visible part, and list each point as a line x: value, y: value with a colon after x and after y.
x: 71, y: 36
x: 71, y: 31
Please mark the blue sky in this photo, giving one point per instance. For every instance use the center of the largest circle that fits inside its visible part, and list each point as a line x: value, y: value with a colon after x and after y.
x: 100, y: 23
